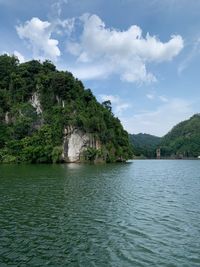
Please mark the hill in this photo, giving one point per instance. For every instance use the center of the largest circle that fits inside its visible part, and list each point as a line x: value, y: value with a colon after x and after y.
x: 144, y: 144
x: 47, y: 115
x: 183, y: 140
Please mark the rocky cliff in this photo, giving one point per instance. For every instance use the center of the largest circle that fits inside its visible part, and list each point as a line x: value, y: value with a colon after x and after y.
x: 76, y: 142
x: 35, y: 102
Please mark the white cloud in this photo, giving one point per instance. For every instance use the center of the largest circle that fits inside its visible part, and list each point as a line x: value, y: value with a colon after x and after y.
x: 150, y: 96
x: 38, y: 33
x: 154, y: 96
x: 194, y: 51
x: 119, y: 105
x: 57, y: 6
x: 19, y: 56
x: 60, y: 26
x: 163, y: 98
x: 161, y: 120
x: 113, y: 98
x: 127, y: 53
x: 65, y: 26
x: 91, y: 72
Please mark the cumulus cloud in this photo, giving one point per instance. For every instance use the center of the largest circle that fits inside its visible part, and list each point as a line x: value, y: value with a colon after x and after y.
x: 65, y: 26
x: 38, y: 33
x: 118, y: 104
x: 161, y: 120
x: 126, y: 53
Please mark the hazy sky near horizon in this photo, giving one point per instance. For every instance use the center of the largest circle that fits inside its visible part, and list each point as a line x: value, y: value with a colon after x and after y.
x: 143, y: 55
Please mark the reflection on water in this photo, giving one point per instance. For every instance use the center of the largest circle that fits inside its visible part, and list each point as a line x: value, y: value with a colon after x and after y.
x: 143, y: 213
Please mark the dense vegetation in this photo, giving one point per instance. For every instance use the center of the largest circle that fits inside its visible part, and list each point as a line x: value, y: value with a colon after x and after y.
x: 183, y: 140
x: 30, y: 136
x: 144, y: 145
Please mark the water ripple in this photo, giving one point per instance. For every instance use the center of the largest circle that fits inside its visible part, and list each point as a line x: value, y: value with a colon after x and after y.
x: 145, y: 213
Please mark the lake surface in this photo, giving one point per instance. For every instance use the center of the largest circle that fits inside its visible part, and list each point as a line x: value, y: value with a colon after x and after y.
x: 142, y: 213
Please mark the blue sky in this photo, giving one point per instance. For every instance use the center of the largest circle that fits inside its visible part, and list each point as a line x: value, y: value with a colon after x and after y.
x: 143, y: 55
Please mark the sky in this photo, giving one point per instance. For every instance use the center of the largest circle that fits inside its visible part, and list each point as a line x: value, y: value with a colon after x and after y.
x: 142, y: 55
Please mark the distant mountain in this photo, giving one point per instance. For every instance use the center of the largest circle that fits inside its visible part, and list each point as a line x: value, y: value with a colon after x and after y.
x: 183, y: 140
x: 145, y: 144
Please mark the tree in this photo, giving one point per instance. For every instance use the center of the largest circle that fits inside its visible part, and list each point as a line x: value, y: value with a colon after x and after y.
x: 107, y: 104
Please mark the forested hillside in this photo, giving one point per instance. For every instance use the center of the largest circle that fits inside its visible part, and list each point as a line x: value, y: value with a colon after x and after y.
x: 145, y: 144
x: 183, y: 140
x: 37, y: 102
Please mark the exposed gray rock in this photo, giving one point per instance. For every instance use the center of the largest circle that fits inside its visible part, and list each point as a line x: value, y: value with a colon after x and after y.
x: 35, y: 102
x: 7, y: 118
x: 76, y: 142
x: 60, y: 101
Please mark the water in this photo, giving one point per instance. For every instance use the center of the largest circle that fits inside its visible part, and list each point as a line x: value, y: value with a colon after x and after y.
x: 142, y: 213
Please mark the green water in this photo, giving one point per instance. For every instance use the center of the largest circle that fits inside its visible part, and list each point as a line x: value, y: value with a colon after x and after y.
x: 142, y: 213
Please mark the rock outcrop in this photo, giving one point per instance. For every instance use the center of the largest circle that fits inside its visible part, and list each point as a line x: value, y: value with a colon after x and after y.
x: 7, y: 118
x: 76, y: 142
x: 35, y: 102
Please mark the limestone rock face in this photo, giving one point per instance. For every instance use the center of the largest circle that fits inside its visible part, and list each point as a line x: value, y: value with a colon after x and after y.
x: 7, y: 118
x: 76, y: 142
x: 35, y: 102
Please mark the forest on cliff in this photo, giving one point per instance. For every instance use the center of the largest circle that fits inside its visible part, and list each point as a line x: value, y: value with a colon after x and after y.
x: 33, y: 132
